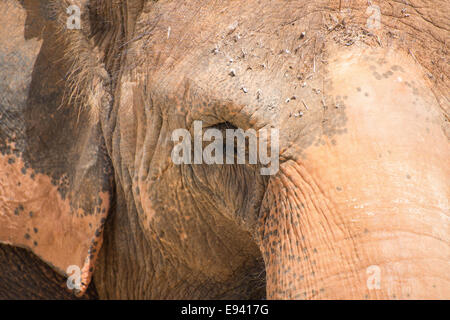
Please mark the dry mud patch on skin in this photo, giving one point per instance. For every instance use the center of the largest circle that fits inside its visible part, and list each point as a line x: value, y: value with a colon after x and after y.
x: 38, y: 218
x: 419, y: 29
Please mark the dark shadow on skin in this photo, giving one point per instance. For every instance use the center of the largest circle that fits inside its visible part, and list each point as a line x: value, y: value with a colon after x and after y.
x: 24, y: 276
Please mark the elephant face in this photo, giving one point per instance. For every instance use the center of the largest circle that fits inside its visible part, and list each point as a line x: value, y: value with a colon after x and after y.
x: 353, y: 120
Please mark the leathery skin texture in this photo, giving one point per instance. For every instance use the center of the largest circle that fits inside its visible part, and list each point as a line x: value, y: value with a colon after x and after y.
x: 359, y: 208
x: 348, y: 205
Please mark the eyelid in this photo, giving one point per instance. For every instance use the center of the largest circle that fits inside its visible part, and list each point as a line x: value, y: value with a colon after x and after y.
x: 223, y: 126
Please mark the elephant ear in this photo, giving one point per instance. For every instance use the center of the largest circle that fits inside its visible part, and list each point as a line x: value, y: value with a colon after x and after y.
x: 55, y: 173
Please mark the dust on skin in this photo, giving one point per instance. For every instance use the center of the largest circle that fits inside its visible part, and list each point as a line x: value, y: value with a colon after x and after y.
x: 210, y: 93
x: 168, y: 73
x: 243, y: 74
x: 36, y: 217
x: 342, y: 204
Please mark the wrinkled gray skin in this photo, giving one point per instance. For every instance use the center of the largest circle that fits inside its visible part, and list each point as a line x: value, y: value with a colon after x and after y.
x: 144, y: 69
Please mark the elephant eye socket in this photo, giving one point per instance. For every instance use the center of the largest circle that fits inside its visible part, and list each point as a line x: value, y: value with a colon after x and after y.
x: 223, y: 126
x: 232, y: 143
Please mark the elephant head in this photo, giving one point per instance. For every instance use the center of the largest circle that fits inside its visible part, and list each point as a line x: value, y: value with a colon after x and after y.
x: 350, y: 99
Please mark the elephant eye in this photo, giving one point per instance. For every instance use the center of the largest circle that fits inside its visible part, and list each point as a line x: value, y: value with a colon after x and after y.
x: 232, y: 143
x: 223, y: 126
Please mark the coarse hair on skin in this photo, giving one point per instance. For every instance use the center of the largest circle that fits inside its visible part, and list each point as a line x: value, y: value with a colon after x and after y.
x: 87, y: 82
x: 96, y: 51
